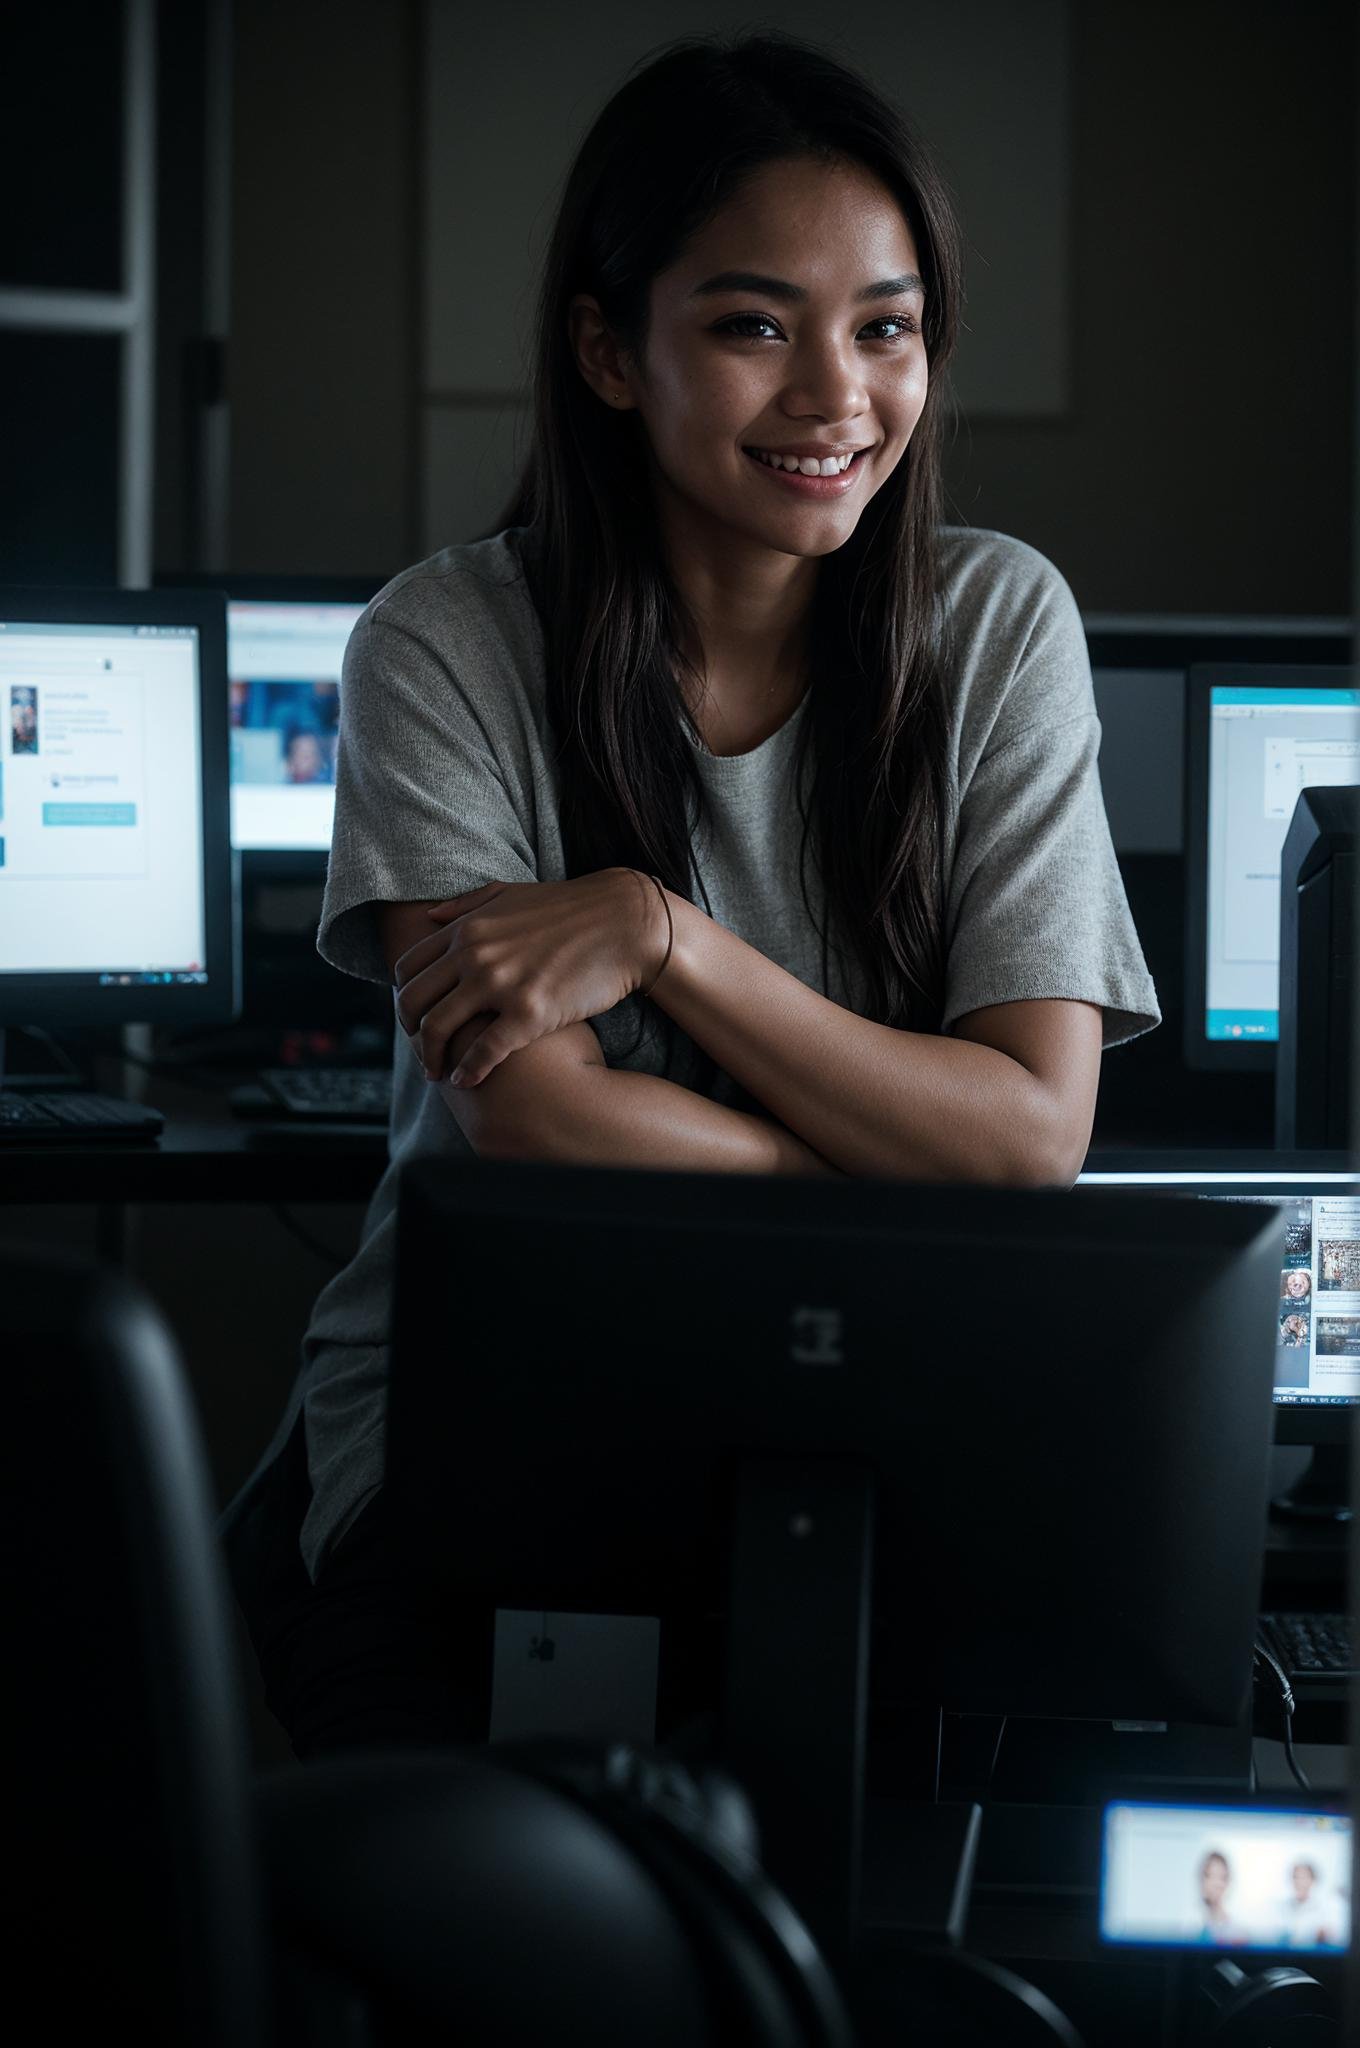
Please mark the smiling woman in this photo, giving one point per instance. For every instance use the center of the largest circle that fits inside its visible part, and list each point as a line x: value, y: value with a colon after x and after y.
x: 723, y: 808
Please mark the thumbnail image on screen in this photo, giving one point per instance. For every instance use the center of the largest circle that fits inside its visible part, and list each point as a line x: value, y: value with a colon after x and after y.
x: 1265, y: 745
x: 283, y: 664
x: 1317, y: 1337
x: 1225, y: 1877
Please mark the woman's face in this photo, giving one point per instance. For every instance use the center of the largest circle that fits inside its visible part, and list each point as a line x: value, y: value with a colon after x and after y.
x: 804, y: 360
x: 1213, y: 1880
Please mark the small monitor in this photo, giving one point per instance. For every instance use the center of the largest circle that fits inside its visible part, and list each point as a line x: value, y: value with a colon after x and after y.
x: 1256, y: 734
x: 286, y: 638
x: 1267, y: 1878
x: 117, y: 889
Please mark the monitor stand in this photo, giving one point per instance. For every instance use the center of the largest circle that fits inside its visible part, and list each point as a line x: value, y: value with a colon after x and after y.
x: 1321, y: 1493
x: 796, y: 1678
x: 795, y: 1717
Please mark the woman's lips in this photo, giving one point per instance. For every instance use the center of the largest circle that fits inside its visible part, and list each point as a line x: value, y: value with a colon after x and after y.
x: 812, y: 486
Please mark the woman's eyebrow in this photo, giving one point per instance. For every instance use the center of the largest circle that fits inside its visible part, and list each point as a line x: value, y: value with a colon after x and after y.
x: 795, y: 294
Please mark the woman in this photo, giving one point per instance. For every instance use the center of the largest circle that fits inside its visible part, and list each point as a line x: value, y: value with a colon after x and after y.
x: 1218, y: 1925
x: 705, y: 815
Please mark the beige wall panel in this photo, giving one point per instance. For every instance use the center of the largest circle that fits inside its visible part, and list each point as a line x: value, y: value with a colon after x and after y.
x: 510, y: 93
x: 470, y: 460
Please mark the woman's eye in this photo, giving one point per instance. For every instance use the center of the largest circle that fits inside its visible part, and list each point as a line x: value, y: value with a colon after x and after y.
x: 742, y: 323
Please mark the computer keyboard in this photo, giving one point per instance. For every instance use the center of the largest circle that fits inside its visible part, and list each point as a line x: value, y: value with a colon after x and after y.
x: 361, y: 1095
x: 1311, y: 1646
x: 26, y: 1119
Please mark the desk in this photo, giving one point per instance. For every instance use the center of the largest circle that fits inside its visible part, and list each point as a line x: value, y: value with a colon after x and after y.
x: 204, y: 1154
x: 203, y: 1159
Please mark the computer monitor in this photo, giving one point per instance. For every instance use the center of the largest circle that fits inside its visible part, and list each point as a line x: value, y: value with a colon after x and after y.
x: 1256, y: 734
x: 1315, y: 1317
x: 117, y: 889
x: 1064, y: 1404
x: 286, y: 638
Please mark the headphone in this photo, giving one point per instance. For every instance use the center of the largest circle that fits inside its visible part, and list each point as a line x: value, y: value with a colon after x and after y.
x: 580, y: 1892
x: 697, y: 1838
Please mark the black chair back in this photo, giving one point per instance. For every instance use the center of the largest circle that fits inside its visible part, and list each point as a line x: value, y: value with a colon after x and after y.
x: 137, y: 1881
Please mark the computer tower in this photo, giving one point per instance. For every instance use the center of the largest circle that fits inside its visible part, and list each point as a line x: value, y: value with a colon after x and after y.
x: 1317, y: 971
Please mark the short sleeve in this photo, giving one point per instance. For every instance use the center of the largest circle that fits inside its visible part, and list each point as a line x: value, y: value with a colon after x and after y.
x: 1035, y: 904
x: 422, y: 807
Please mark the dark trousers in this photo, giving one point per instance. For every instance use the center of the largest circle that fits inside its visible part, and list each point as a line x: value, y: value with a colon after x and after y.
x: 388, y: 1647
x: 383, y: 1650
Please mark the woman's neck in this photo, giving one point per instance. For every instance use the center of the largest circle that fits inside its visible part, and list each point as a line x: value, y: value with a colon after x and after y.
x: 735, y: 714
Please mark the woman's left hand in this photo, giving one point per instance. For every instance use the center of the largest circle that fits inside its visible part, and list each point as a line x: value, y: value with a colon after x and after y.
x: 537, y: 955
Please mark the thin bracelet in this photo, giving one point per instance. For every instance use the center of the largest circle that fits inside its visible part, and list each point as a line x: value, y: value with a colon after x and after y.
x: 670, y: 937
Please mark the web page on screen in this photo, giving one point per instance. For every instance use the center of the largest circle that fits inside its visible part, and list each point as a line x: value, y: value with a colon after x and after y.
x: 1264, y: 747
x: 283, y: 663
x: 101, y: 847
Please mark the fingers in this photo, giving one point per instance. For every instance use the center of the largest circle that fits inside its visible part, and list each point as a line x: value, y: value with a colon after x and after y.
x: 420, y: 956
x: 436, y: 1030
x: 421, y: 991
x: 487, y: 1050
x: 455, y: 906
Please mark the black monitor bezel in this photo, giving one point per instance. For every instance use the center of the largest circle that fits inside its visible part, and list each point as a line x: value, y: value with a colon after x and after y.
x: 286, y: 863
x: 1204, y: 1054
x: 56, y: 1000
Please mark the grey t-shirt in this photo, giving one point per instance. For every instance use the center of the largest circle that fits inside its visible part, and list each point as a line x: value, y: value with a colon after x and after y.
x: 445, y: 781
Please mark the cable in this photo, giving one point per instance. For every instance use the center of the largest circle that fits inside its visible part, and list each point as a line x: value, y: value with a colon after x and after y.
x: 1289, y: 1756
x: 304, y: 1237
x: 996, y: 1751
x: 1262, y: 1655
x: 59, y: 1052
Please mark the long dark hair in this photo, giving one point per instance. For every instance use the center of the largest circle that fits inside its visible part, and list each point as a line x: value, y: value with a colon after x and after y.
x: 673, y: 145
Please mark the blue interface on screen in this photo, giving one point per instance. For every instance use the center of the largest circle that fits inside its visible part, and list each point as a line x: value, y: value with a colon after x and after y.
x: 1265, y: 745
x: 1317, y: 1307
x: 1225, y: 1878
x: 283, y: 662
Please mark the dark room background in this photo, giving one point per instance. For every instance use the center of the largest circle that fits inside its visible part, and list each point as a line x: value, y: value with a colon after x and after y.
x: 266, y: 279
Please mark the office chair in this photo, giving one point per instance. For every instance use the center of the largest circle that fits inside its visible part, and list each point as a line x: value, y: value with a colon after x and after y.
x: 136, y: 1867
x: 500, y: 1895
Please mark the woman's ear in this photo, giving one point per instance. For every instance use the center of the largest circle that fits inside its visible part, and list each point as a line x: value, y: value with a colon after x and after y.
x: 598, y: 356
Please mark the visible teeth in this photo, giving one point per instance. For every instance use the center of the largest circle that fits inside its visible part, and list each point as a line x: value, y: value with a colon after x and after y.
x: 832, y: 465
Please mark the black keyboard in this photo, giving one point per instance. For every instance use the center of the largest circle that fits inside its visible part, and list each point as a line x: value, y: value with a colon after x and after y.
x: 1311, y: 1646
x: 26, y: 1119
x: 355, y: 1095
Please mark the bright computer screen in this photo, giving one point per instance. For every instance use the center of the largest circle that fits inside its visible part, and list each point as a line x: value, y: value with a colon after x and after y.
x: 283, y: 665
x: 1317, y: 1309
x: 101, y: 827
x: 1265, y: 745
x: 1317, y: 1316
x: 1229, y: 1877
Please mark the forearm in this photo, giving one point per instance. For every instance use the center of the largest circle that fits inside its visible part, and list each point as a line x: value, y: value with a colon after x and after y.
x: 870, y: 1099
x: 597, y: 1115
x: 610, y: 1116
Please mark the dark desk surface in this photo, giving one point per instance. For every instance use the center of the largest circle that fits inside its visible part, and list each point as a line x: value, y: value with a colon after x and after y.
x: 203, y: 1159
x: 205, y: 1154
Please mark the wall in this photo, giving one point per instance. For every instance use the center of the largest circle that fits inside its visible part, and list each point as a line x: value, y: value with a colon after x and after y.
x: 324, y: 212
x: 1201, y: 456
